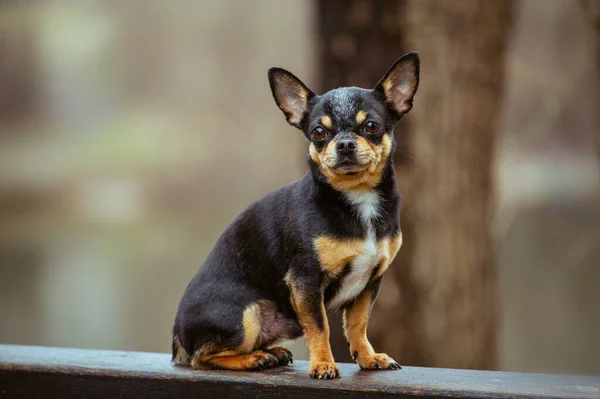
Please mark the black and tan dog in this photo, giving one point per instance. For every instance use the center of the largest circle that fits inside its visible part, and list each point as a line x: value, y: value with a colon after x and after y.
x: 320, y: 243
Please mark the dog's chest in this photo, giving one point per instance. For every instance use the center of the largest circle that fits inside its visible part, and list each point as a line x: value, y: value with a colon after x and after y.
x: 368, y: 254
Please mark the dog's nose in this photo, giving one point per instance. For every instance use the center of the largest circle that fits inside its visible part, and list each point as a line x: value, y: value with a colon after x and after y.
x: 346, y: 146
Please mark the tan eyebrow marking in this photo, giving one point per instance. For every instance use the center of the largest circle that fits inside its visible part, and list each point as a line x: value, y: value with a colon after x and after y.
x: 361, y: 117
x: 326, y: 122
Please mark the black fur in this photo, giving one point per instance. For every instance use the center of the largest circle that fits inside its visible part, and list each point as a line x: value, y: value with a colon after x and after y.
x: 274, y: 237
x: 254, y: 253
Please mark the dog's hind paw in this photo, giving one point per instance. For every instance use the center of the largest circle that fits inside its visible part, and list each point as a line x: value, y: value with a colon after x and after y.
x: 283, y: 355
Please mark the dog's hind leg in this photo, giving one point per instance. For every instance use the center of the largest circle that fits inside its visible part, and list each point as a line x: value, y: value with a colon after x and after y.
x: 261, y: 326
x: 257, y: 360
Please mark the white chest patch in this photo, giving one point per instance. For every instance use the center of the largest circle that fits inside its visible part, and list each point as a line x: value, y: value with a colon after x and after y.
x: 366, y: 205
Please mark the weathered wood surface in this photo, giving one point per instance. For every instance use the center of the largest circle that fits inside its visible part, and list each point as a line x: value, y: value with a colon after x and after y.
x: 40, y: 372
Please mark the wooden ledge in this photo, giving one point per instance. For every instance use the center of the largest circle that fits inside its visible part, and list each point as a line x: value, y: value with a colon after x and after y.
x: 40, y: 372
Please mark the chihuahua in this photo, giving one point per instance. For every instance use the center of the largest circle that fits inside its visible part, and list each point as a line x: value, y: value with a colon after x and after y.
x: 323, y: 242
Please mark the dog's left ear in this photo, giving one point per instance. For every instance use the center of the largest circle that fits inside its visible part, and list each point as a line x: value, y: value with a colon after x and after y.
x: 400, y: 83
x: 290, y: 94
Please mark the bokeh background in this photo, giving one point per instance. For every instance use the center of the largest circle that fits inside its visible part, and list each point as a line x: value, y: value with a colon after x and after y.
x: 131, y: 133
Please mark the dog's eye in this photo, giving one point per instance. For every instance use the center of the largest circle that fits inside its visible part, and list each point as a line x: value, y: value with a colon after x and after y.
x: 318, y: 133
x: 371, y: 127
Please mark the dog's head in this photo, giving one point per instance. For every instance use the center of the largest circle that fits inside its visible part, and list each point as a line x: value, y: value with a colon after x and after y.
x: 350, y: 129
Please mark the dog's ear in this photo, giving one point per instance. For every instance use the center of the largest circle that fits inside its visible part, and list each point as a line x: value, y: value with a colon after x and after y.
x: 290, y: 94
x: 400, y: 83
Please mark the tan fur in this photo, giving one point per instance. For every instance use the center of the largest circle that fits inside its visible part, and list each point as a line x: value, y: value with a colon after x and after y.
x: 356, y: 319
x: 326, y: 122
x: 251, y: 321
x: 388, y: 86
x: 278, y: 352
x: 321, y: 358
x: 295, y: 107
x: 246, y: 361
x: 361, y: 117
x: 388, y: 248
x: 201, y: 358
x: 334, y: 254
x: 372, y: 157
x: 397, y: 95
x: 199, y: 365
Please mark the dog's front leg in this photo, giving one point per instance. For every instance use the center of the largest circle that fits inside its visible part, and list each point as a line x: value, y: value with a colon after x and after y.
x: 307, y: 300
x: 356, y: 318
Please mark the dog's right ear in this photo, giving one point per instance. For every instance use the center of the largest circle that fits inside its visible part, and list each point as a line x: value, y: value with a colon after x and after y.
x: 290, y: 94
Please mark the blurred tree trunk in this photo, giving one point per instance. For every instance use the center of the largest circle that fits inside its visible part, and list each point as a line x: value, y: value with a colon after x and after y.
x: 358, y: 41
x: 17, y: 64
x: 591, y: 11
x: 438, y: 304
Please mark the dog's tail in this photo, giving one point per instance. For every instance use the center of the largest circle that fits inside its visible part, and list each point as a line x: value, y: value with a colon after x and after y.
x: 180, y: 356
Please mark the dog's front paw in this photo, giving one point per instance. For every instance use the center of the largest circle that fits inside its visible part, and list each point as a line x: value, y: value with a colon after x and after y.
x: 376, y: 361
x: 323, y: 370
